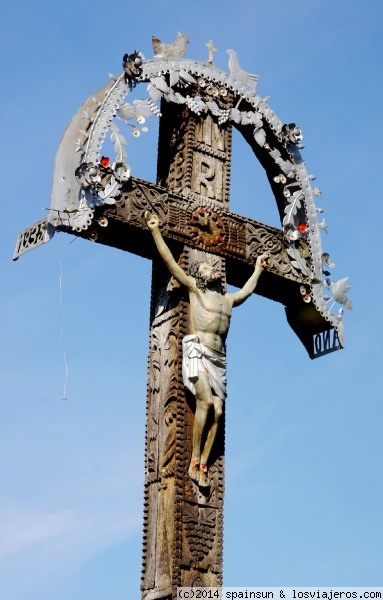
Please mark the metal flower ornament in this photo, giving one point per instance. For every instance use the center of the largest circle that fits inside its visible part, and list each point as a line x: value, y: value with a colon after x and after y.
x: 132, y: 64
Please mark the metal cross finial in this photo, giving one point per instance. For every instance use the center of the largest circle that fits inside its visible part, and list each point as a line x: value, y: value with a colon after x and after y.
x: 212, y: 49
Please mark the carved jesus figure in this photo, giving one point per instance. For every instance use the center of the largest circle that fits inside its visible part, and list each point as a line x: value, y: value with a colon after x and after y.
x: 204, y: 356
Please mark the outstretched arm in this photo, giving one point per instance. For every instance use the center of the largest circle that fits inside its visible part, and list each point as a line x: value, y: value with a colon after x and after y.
x: 174, y: 268
x: 238, y: 297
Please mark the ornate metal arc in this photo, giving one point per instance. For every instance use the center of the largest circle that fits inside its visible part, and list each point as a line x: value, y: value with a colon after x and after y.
x: 199, y: 86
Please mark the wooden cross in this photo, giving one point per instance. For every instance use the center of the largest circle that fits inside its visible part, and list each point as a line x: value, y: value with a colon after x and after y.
x: 97, y: 199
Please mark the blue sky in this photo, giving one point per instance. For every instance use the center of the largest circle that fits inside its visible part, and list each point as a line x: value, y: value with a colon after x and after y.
x: 304, y: 445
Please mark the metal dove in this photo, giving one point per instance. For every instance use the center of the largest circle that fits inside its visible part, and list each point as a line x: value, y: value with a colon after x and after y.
x: 175, y: 50
x: 239, y: 74
x: 339, y: 289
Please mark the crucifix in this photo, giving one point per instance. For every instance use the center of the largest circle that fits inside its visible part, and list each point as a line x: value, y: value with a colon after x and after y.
x: 184, y: 225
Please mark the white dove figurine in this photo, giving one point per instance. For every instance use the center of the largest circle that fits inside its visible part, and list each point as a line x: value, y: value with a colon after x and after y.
x: 175, y: 50
x: 239, y: 74
x: 339, y: 289
x: 323, y: 225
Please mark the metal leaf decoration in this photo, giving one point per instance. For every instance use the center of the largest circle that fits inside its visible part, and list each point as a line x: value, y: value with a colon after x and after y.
x: 260, y: 136
x: 214, y: 108
x: 160, y: 84
x: 174, y: 77
x: 251, y: 118
x: 286, y: 166
x: 110, y: 191
x: 154, y: 93
x: 292, y: 207
x: 185, y: 76
x: 297, y: 261
x: 235, y: 114
x: 119, y: 142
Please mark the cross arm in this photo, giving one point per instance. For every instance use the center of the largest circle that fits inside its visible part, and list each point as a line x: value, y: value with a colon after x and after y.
x: 201, y: 223
x: 123, y: 226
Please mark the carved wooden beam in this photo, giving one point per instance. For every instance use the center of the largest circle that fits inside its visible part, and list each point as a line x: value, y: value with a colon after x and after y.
x: 203, y: 224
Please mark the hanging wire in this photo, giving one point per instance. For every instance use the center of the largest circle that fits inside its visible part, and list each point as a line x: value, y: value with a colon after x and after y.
x: 66, y: 369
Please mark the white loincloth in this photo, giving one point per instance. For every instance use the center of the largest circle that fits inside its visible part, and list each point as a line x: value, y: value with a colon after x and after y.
x: 198, y: 358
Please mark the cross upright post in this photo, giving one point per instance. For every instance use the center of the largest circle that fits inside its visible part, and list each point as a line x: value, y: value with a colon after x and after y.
x: 98, y: 199
x: 182, y: 525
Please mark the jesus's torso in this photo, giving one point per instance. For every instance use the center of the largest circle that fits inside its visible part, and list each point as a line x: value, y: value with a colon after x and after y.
x: 210, y: 314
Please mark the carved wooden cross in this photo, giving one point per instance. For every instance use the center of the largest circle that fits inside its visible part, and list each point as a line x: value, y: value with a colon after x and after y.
x: 97, y: 199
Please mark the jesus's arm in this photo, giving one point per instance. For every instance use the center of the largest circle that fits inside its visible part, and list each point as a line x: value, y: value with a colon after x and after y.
x: 163, y: 249
x: 239, y: 297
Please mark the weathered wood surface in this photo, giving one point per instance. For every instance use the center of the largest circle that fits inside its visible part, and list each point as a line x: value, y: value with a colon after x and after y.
x: 182, y: 526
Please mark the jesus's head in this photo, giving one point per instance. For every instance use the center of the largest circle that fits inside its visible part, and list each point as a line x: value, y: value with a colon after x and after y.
x: 206, y: 276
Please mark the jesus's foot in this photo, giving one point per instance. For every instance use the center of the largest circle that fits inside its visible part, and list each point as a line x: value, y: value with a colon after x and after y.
x: 194, y: 473
x: 203, y: 476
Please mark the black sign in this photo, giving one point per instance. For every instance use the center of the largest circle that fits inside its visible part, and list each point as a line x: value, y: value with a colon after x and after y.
x: 325, y: 342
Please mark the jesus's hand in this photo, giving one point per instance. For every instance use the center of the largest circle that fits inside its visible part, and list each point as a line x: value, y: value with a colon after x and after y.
x: 261, y: 261
x: 152, y: 221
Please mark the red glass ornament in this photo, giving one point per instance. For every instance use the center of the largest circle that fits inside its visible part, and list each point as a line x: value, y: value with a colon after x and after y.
x: 302, y: 227
x: 105, y: 161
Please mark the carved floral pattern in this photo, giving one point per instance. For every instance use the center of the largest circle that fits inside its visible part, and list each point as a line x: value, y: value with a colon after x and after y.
x: 200, y: 525
x: 207, y: 227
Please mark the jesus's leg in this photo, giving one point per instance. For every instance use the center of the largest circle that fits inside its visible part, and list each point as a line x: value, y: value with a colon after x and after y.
x: 218, y: 405
x: 204, y: 402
